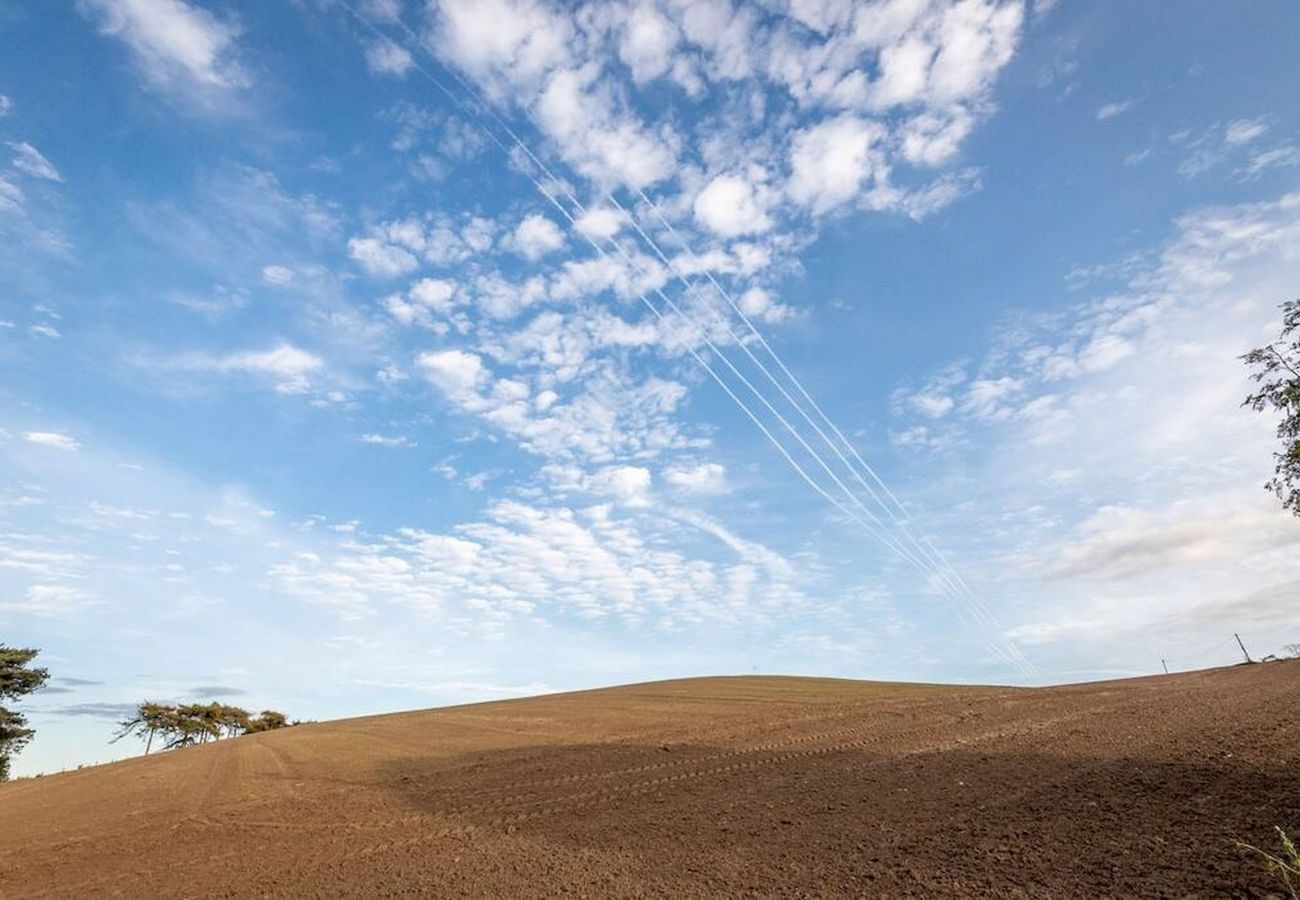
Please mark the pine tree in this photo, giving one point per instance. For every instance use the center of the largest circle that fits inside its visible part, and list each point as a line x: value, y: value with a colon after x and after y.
x: 17, y: 679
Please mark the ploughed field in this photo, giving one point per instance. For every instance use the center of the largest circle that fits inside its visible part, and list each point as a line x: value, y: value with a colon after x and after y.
x: 704, y: 786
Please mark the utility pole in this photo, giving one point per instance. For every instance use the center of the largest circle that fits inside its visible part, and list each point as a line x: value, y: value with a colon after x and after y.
x: 1166, y: 665
x: 1243, y: 647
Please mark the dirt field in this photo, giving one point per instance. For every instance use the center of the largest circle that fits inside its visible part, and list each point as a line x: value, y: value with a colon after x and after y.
x: 706, y: 786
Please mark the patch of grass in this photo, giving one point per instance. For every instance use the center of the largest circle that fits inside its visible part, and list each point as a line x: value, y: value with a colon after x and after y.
x: 1286, y: 866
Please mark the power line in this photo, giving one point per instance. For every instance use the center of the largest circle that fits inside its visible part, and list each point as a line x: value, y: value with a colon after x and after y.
x: 922, y: 554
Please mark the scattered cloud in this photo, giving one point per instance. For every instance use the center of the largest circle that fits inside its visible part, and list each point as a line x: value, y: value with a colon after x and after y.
x: 179, y: 48
x: 537, y: 236
x: 1243, y: 131
x: 386, y: 57
x: 730, y: 206
x: 48, y: 601
x: 1211, y: 147
x: 30, y: 161
x: 277, y: 275
x: 394, y: 442
x: 1285, y: 156
x: 55, y: 439
x: 11, y: 196
x: 830, y: 161
x: 1111, y: 110
x: 704, y: 478
x: 536, y: 564
x: 1112, y: 445
x: 288, y: 366
x: 380, y: 259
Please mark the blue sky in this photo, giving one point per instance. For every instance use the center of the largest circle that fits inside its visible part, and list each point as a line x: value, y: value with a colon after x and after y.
x: 333, y: 378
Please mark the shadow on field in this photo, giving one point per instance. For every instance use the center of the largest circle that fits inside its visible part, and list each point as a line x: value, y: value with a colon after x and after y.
x: 950, y: 820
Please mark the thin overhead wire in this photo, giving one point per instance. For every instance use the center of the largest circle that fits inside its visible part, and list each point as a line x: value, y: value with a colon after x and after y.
x: 923, y: 546
x: 922, y: 554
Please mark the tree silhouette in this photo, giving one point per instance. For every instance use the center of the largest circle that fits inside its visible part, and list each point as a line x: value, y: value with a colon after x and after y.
x: 233, y: 720
x: 17, y: 679
x: 1277, y: 373
x: 149, y: 719
x: 268, y: 720
x: 194, y: 723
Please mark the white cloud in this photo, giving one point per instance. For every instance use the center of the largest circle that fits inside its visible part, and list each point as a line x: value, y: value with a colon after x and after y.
x: 5, y: 105
x: 400, y: 441
x: 48, y: 600
x: 386, y: 57
x: 606, y: 145
x: 380, y: 259
x: 502, y: 41
x: 54, y: 439
x: 629, y: 485
x: 11, y: 196
x: 537, y: 236
x: 1118, y: 542
x: 830, y: 161
x: 936, y: 60
x: 382, y: 10
x: 1284, y: 156
x: 32, y: 162
x: 289, y: 366
x: 705, y: 478
x: 600, y: 223
x: 427, y: 303
x: 1209, y: 148
x: 538, y: 565
x: 931, y: 139
x: 1111, y: 110
x: 527, y: 51
x: 1243, y: 131
x: 277, y: 274
x: 904, y: 69
x: 986, y: 397
x: 1122, y: 479
x: 436, y: 294
x: 176, y: 45
x: 1104, y: 351
x: 648, y: 41
x: 935, y: 406
x: 976, y: 39
x: 43, y: 330
x: 398, y: 246
x: 457, y: 373
x: 756, y: 303
x: 730, y: 206
x: 562, y: 403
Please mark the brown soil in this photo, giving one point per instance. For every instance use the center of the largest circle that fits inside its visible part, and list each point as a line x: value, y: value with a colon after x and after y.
x: 705, y: 786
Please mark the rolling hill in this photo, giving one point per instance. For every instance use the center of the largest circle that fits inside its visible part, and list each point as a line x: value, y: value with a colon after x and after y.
x: 701, y: 786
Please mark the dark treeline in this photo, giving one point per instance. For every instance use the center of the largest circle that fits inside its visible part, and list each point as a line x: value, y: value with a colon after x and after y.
x: 186, y: 724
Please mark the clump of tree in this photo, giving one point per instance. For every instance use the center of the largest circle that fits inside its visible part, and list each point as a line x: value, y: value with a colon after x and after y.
x: 17, y: 679
x: 1277, y: 373
x: 186, y: 724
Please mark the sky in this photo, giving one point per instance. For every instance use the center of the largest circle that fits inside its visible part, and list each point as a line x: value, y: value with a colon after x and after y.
x: 376, y: 355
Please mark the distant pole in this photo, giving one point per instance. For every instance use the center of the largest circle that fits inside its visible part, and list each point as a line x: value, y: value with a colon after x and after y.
x: 1166, y: 665
x: 1243, y: 647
